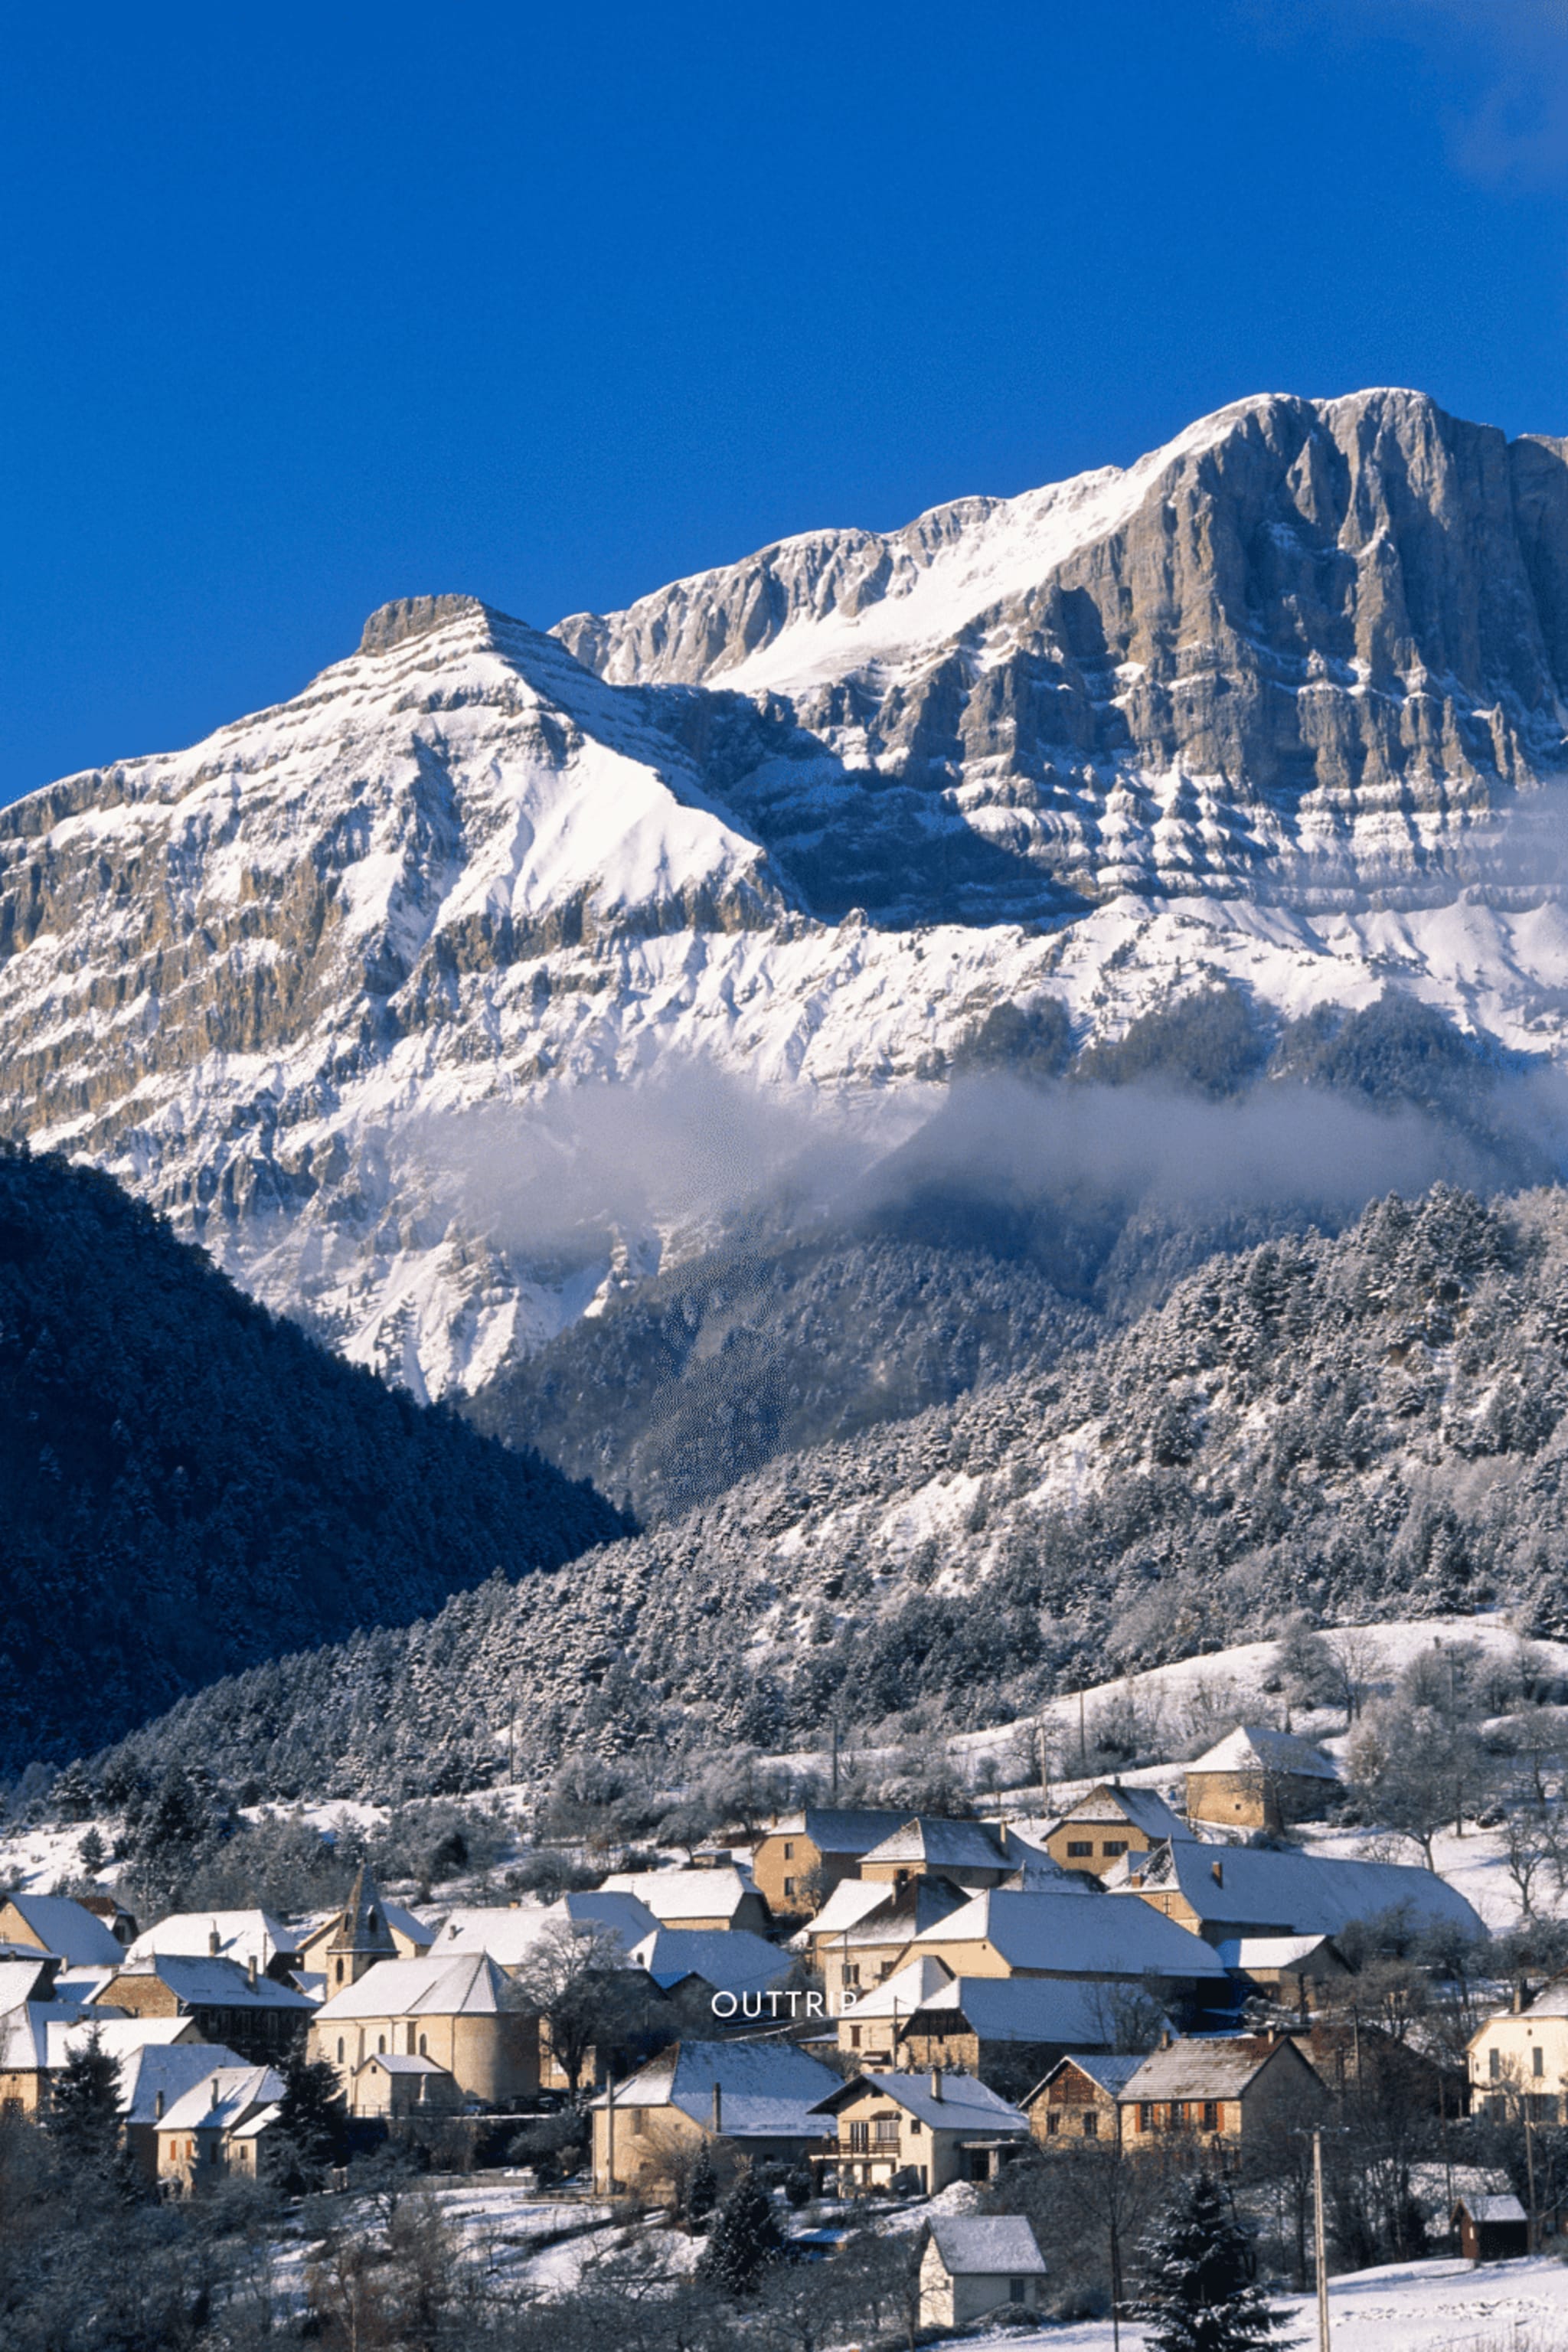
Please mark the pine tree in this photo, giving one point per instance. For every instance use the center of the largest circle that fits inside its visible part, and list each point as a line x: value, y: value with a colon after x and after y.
x: 311, y: 2132
x: 744, y: 2240
x: 1198, y: 2295
x: 83, y: 2110
x: 703, y: 2194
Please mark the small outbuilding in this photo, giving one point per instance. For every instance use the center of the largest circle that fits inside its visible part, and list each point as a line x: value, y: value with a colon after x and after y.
x: 974, y: 2264
x: 1491, y: 2229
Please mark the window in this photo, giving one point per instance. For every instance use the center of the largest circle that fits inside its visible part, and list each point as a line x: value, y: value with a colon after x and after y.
x: 1494, y: 2063
x: 851, y: 1972
x: 1014, y: 2290
x: 1145, y: 2115
x: 885, y: 2129
x: 1081, y: 1848
x: 423, y: 2051
x: 1114, y: 1846
x: 340, y: 2048
x: 381, y: 2043
x: 1090, y: 2124
x: 789, y: 1849
x: 860, y: 2138
x: 1053, y: 2123
x: 370, y: 1919
x: 855, y: 2037
x: 1211, y: 2115
x: 340, y: 1972
x: 409, y: 2038
x: 789, y: 1887
x: 916, y: 2127
x: 1538, y: 2062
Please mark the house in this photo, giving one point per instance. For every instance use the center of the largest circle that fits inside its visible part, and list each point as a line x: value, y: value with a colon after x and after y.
x: 54, y: 1923
x: 397, y: 2086
x: 458, y: 2010
x: 25, y: 2051
x: 1284, y: 1969
x: 1229, y: 2092
x: 974, y: 2264
x: 1521, y: 2054
x: 1077, y: 2099
x: 1007, y: 1932
x: 871, y: 2024
x: 727, y: 1960
x: 1257, y: 1779
x: 802, y: 1857
x: 214, y: 2131
x: 1225, y: 1893
x: 121, y: 1923
x: 759, y: 2101
x: 926, y: 2129
x: 29, y: 1979
x: 712, y: 1898
x: 250, y: 2012
x: 356, y: 1936
x: 863, y: 1930
x: 968, y: 1854
x: 1109, y: 1822
x: 1352, y: 2055
x: 509, y: 1932
x: 241, y: 1935
x: 153, y: 2074
x: 1490, y: 2229
x: 1008, y: 2030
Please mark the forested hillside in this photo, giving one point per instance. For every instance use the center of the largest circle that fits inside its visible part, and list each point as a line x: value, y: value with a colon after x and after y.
x: 1335, y: 1427
x: 190, y: 1484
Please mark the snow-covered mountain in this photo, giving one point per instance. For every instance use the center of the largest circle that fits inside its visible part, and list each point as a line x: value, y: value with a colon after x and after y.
x: 341, y: 987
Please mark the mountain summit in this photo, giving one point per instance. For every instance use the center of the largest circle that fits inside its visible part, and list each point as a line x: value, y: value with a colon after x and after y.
x: 1275, y: 705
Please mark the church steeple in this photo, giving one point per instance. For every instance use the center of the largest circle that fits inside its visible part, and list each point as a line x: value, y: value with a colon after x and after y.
x: 361, y: 1935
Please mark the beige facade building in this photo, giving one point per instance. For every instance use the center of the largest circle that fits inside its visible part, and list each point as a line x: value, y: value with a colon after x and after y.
x: 1078, y: 2100
x: 1226, y: 2093
x: 927, y: 2129
x: 753, y: 2101
x: 215, y: 2131
x: 695, y: 1899
x: 459, y: 2012
x: 1109, y: 1822
x: 974, y: 2264
x: 802, y: 1857
x: 1519, y: 2060
x: 1257, y: 1779
x: 250, y: 2012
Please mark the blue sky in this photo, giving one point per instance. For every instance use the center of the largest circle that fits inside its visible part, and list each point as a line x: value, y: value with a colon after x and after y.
x: 308, y: 308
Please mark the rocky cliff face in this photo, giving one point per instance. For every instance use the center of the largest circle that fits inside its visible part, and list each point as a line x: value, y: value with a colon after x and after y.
x: 1270, y: 706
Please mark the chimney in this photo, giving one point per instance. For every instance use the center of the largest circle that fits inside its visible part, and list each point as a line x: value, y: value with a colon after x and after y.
x: 1518, y: 1997
x: 250, y: 1972
x: 718, y: 2109
x: 214, y: 1947
x: 214, y: 2090
x: 157, y: 2106
x: 936, y: 2082
x: 1218, y: 1869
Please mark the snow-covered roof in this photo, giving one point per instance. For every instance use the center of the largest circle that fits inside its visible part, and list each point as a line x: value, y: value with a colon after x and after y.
x: 1145, y: 1808
x: 730, y: 1959
x: 23, y: 1981
x: 1074, y: 1935
x: 959, y: 2103
x: 941, y: 1845
x: 212, y: 1983
x: 766, y: 2089
x: 468, y: 1984
x: 1551, y: 2000
x: 676, y: 1895
x: 67, y: 1928
x: 392, y: 2062
x: 1193, y: 2068
x: 509, y: 1932
x: 242, y: 1935
x: 835, y: 1829
x: 1254, y: 1747
x: 989, y: 2245
x: 1269, y: 1951
x: 1298, y: 1893
x: 224, y: 2097
x: 173, y: 2068
x: 1492, y: 2209
x: 1112, y: 2071
x: 909, y: 1988
x: 852, y: 1900
x: 1023, y: 2009
x: 24, y: 2033
x: 122, y: 2037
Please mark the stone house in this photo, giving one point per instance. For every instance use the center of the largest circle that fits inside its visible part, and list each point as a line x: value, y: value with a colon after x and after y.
x: 1109, y: 1822
x: 927, y: 2130
x: 695, y: 1899
x: 1287, y: 1969
x: 860, y: 1936
x: 239, y: 1936
x: 1227, y: 2093
x: 1077, y: 2099
x: 1349, y: 2054
x: 252, y: 2013
x: 967, y: 1855
x: 1007, y: 2030
x: 1224, y: 1892
x: 804, y: 1855
x: 25, y: 2032
x: 759, y: 2101
x: 974, y: 2264
x: 460, y: 2012
x: 870, y: 2028
x: 1258, y: 1779
x: 397, y: 2086
x: 152, y: 2076
x: 508, y: 1932
x: 214, y: 2130
x: 55, y: 1923
x: 1519, y: 2058
x: 1084, y: 1935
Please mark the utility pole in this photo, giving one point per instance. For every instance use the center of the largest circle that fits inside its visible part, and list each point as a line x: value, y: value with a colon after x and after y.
x: 832, y: 1729
x: 610, y: 2182
x: 1045, y: 1773
x: 1529, y: 2169
x: 1319, y: 2248
x: 1083, y: 1740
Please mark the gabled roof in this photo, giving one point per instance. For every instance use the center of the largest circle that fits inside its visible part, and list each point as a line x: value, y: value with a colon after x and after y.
x: 1254, y: 1747
x: 992, y: 2246
x: 68, y: 1928
x: 1492, y: 2208
x: 960, y: 2104
x: 1144, y: 1808
x: 730, y: 1959
x: 1110, y: 2070
x: 1298, y: 1894
x: 241, y: 1935
x: 852, y: 1900
x: 509, y: 1932
x: 122, y: 2038
x: 903, y: 1912
x: 1021, y: 2009
x: 1222, y: 2068
x: 767, y: 2089
x: 24, y: 2033
x: 23, y: 1981
x: 1551, y: 2000
x: 835, y: 1829
x: 941, y: 1844
x: 212, y: 1984
x: 1270, y: 1951
x: 1074, y: 1935
x: 392, y: 2061
x: 907, y: 1988
x: 469, y: 1984
x: 224, y: 2097
x: 173, y: 2068
x: 676, y: 1895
